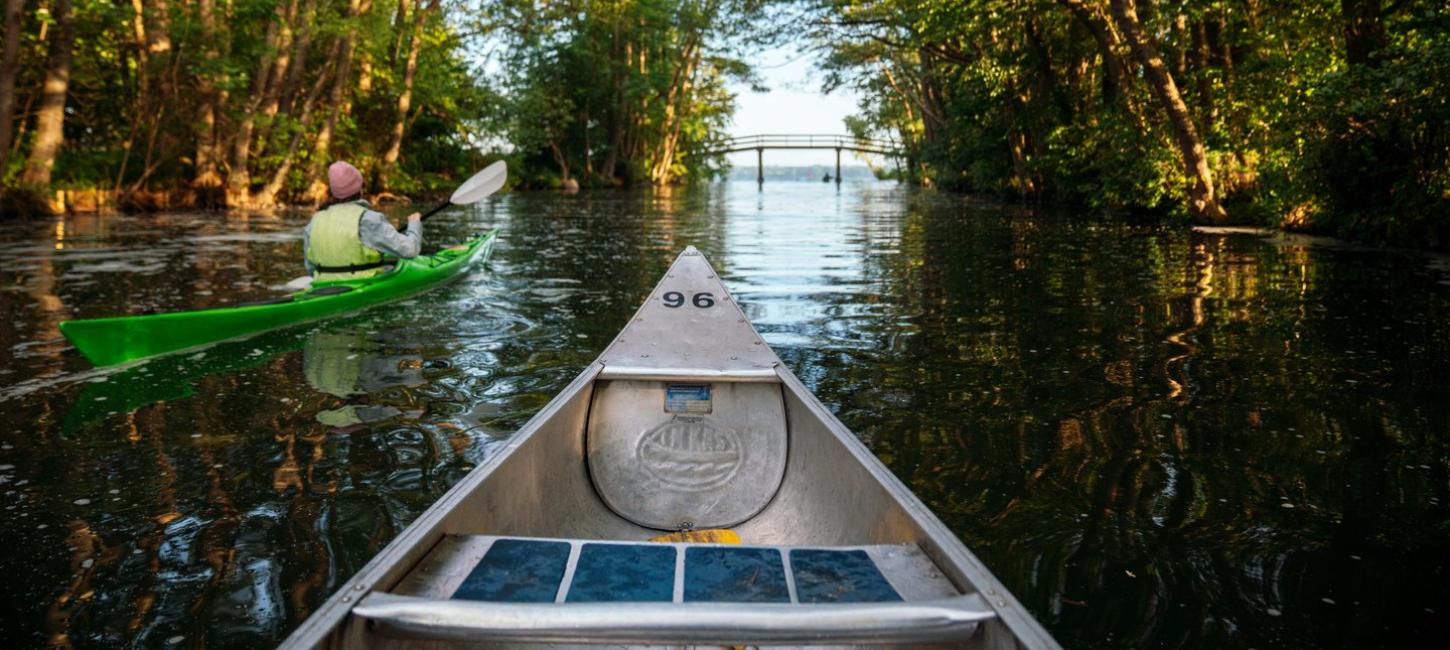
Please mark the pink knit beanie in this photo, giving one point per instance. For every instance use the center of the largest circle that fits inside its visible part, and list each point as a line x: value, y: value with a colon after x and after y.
x: 344, y: 180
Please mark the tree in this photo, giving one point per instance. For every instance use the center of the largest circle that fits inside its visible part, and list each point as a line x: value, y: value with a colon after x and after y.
x: 50, y: 118
x: 9, y: 67
x: 1203, y: 202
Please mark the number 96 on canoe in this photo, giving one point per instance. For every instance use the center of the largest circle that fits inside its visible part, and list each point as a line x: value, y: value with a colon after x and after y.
x: 676, y: 299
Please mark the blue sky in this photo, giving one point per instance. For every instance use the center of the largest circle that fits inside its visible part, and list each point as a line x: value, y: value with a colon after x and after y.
x: 793, y: 105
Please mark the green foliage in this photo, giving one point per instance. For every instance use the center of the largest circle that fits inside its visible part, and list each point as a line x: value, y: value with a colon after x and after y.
x: 1378, y: 147
x: 139, y: 85
x: 620, y: 92
x: 1018, y: 98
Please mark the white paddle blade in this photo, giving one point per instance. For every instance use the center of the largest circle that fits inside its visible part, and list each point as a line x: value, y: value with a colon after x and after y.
x: 482, y: 184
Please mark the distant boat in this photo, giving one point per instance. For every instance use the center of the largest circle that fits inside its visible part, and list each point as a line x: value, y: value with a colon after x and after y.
x: 684, y: 489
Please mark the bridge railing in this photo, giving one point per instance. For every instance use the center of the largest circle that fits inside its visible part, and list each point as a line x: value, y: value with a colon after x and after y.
x: 803, y: 141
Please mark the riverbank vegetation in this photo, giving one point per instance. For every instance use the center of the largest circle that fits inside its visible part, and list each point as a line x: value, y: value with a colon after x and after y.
x: 1325, y: 114
x: 624, y: 92
x: 159, y: 103
x: 155, y: 103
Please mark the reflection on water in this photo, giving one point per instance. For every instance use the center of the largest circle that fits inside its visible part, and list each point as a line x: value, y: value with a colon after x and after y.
x: 1155, y: 437
x: 344, y: 364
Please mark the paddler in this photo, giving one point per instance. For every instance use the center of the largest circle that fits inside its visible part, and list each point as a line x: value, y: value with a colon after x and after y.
x: 347, y: 239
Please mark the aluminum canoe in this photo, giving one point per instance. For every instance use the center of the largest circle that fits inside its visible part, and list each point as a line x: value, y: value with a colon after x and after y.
x: 571, y: 534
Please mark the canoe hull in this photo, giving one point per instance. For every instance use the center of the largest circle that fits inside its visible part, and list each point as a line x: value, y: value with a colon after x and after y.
x: 112, y: 341
x: 832, y: 494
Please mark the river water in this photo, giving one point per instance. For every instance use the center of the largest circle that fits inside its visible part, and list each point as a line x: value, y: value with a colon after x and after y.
x: 1155, y: 437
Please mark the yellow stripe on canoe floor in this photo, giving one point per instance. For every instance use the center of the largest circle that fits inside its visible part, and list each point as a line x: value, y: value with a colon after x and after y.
x: 706, y: 536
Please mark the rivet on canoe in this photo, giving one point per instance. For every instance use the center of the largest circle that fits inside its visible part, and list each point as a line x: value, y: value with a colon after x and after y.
x: 347, y: 599
x: 359, y: 587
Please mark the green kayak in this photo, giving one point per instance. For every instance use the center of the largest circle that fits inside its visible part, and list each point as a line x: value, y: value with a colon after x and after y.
x: 111, y: 341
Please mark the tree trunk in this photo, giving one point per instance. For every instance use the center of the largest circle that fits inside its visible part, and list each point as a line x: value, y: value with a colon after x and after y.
x: 306, y: 31
x: 1364, y: 30
x: 1202, y: 201
x: 337, y: 97
x: 158, y: 28
x: 1200, y: 57
x: 267, y: 196
x: 281, y: 69
x: 933, y: 115
x: 50, y: 117
x: 239, y: 178
x: 9, y: 67
x: 1116, y: 81
x: 208, y: 151
x: 676, y: 102
x: 405, y: 98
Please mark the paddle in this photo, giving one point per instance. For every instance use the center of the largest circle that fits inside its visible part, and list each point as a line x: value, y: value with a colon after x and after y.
x: 482, y: 184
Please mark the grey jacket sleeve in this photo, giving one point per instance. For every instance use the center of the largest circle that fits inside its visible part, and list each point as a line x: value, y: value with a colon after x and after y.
x: 376, y: 233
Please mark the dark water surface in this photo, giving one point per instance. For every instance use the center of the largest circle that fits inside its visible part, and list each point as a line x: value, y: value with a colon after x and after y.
x: 1154, y: 437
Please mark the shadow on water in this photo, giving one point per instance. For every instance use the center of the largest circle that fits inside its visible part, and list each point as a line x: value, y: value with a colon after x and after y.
x: 1155, y: 437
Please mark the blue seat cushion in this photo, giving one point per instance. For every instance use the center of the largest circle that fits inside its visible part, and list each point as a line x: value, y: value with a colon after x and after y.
x: 623, y: 572
x: 825, y: 576
x: 737, y: 575
x: 517, y: 571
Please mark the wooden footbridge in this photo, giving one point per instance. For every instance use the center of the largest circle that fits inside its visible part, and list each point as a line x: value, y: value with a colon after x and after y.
x: 760, y: 142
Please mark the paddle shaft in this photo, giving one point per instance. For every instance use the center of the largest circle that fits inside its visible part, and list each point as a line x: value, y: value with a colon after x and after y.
x: 436, y: 210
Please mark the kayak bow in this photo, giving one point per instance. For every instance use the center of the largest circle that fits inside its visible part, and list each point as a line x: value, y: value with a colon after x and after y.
x: 112, y: 341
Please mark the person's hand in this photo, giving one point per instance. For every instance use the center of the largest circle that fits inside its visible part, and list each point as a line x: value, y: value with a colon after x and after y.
x: 415, y: 217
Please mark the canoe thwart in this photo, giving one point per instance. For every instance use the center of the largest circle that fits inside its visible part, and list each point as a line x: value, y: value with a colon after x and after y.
x: 951, y: 619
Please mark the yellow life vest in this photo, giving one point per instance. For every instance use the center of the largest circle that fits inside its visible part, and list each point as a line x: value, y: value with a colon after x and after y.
x: 335, y: 249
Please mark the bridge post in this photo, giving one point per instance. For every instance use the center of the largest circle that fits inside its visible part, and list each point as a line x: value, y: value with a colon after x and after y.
x: 760, y: 165
x: 838, y: 165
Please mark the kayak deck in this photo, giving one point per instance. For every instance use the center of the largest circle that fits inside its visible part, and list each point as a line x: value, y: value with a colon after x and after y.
x: 116, y: 340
